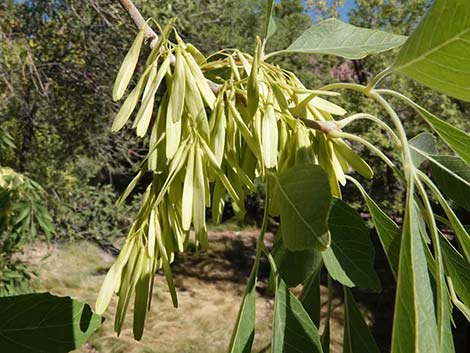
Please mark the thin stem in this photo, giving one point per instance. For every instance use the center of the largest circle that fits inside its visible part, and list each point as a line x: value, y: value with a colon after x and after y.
x: 374, y: 94
x: 341, y: 85
x: 264, y: 226
x: 377, y: 79
x: 374, y: 149
x: 406, y: 154
x: 267, y: 56
x: 455, y: 300
x: 346, y: 121
x: 436, y: 246
x: 326, y: 330
x: 393, y: 93
x: 457, y: 225
x: 270, y: 257
x: 443, y: 220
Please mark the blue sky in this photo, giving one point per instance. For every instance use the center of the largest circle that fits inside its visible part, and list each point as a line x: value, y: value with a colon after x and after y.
x: 343, y: 10
x: 348, y: 5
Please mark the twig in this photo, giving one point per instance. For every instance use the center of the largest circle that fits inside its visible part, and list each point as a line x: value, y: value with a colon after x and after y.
x: 139, y: 21
x: 151, y: 36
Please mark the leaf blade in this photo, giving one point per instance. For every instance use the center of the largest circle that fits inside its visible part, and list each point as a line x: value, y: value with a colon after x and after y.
x: 414, y: 306
x: 293, y: 330
x: 350, y: 257
x: 357, y: 336
x: 329, y: 36
x: 436, y: 54
x: 40, y: 323
x: 244, y: 332
x: 305, y: 196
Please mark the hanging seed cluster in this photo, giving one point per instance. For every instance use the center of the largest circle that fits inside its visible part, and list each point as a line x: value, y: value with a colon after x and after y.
x: 210, y: 139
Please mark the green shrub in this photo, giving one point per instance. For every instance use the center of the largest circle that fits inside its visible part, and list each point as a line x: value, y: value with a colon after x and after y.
x: 90, y: 212
x: 23, y: 214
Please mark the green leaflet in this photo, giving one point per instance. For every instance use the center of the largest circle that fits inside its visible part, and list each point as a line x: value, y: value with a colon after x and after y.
x: 424, y: 142
x: 460, y: 232
x: 350, y: 257
x: 436, y: 54
x: 334, y: 37
x: 272, y: 28
x: 452, y: 175
x: 458, y: 269
x: 126, y: 71
x: 387, y: 230
x: 357, y: 336
x: 414, y: 324
x: 293, y: 330
x: 42, y: 322
x: 295, y: 266
x: 446, y: 338
x: 270, y: 24
x: 310, y: 296
x: 304, y: 207
x: 455, y: 138
x: 244, y: 332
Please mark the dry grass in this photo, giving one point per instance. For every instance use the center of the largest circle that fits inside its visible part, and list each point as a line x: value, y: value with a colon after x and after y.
x: 210, y: 287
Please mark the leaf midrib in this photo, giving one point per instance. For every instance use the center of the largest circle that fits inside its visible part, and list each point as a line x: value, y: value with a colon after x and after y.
x: 429, y: 52
x: 442, y: 166
x: 363, y: 47
x: 297, y: 212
